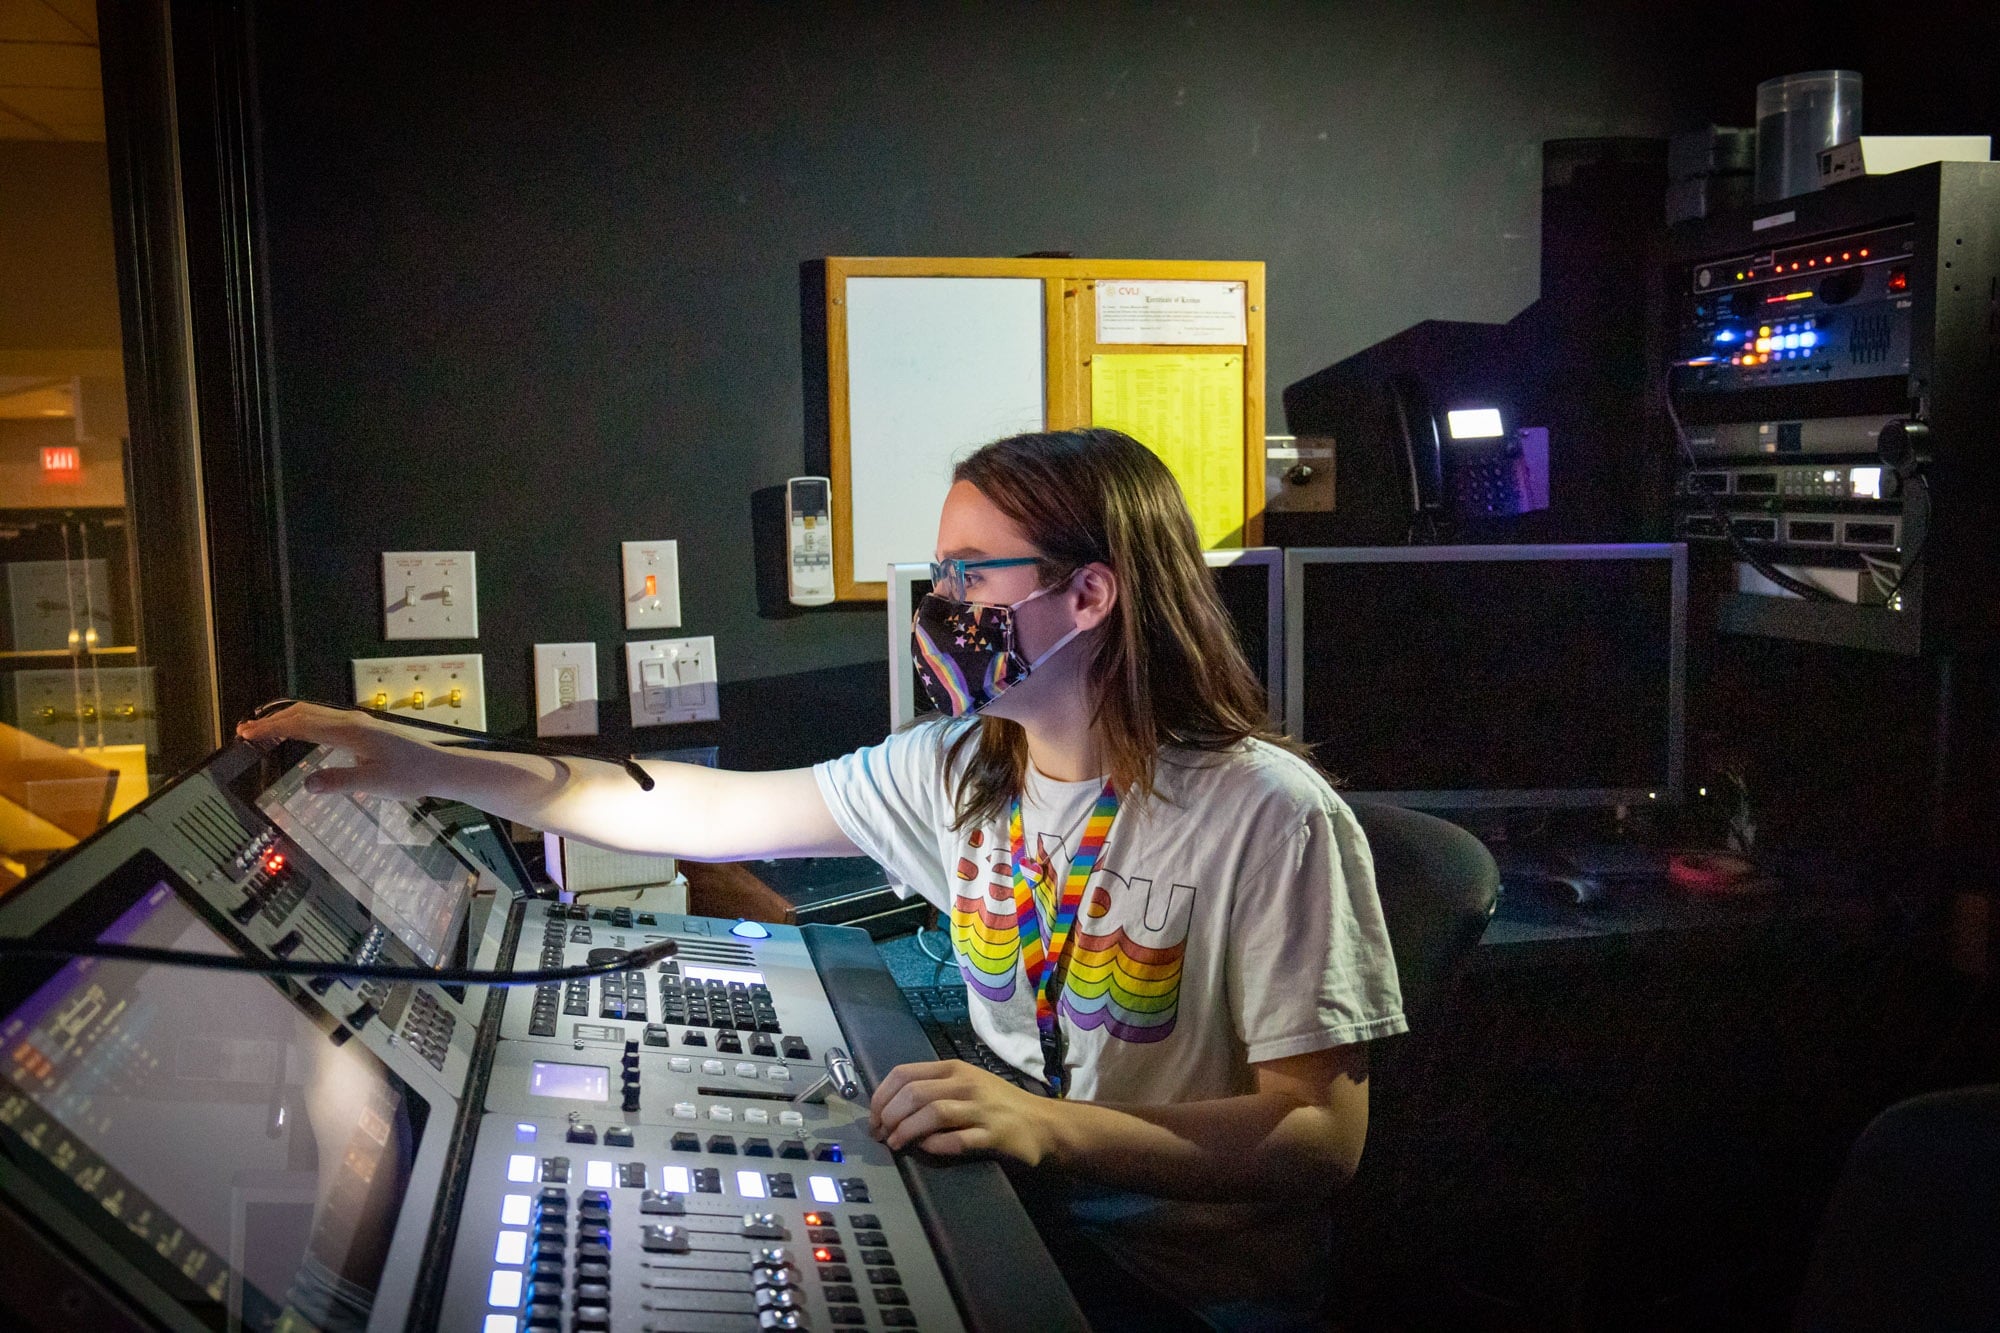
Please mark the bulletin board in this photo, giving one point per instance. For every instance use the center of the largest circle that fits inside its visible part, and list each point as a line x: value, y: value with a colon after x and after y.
x: 930, y: 358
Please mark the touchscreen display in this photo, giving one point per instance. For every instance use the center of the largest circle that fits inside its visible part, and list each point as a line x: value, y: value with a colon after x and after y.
x: 393, y: 861
x: 219, y: 1139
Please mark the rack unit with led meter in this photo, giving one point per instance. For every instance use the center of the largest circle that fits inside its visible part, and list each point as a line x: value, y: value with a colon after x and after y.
x: 1832, y: 359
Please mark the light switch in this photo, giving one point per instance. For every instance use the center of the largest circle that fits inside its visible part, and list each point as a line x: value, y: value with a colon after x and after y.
x: 652, y: 584
x: 671, y: 680
x: 429, y: 595
x: 448, y: 689
x: 565, y: 689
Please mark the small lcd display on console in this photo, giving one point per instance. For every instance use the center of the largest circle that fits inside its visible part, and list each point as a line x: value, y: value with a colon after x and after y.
x: 577, y: 1083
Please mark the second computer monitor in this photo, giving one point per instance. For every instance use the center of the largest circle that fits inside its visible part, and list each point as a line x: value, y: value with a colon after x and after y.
x: 1250, y: 581
x: 1453, y: 677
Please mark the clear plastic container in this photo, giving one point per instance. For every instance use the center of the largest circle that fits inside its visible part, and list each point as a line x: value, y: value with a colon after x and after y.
x: 1797, y: 116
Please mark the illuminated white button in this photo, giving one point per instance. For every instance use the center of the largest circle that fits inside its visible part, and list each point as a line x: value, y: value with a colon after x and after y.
x: 677, y: 1179
x: 524, y: 1132
x: 501, y: 1323
x: 514, y: 1210
x: 684, y: 1111
x: 778, y: 1074
x: 750, y: 1184
x: 512, y: 1248
x: 792, y: 1118
x: 749, y: 930
x: 744, y: 1069
x: 714, y: 1067
x: 505, y: 1288
x: 722, y: 1113
x: 598, y: 1175
x: 1808, y: 339
x: 825, y: 1188
x: 680, y: 1064
x: 521, y: 1167
x: 756, y: 1115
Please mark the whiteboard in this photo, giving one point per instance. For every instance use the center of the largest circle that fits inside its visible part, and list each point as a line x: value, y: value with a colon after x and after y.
x: 935, y: 367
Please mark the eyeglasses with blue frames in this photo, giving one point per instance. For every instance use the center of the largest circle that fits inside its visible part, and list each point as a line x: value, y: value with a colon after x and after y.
x: 955, y: 579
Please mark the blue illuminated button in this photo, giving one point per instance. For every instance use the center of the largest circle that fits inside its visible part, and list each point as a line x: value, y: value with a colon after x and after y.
x: 750, y: 930
x: 1808, y: 339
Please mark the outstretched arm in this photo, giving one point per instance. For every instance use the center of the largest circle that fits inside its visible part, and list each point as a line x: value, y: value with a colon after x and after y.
x: 699, y: 814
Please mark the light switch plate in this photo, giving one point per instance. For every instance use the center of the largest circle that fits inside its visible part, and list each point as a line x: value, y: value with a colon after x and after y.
x: 654, y: 605
x: 671, y: 680
x: 448, y: 689
x: 429, y: 595
x: 565, y: 689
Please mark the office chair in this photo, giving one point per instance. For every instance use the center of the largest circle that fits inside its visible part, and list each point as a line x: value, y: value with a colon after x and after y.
x: 1439, y: 886
x: 1911, y: 1237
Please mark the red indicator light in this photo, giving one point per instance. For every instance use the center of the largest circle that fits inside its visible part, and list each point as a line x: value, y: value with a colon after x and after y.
x: 62, y: 463
x: 1795, y: 266
x: 815, y: 1220
x: 1829, y: 259
x: 822, y: 1255
x: 1899, y: 280
x: 1810, y: 263
x: 1864, y: 254
x: 1847, y: 254
x: 274, y: 862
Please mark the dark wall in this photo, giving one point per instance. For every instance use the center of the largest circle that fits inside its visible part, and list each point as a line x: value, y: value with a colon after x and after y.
x: 534, y: 272
x: 535, y: 275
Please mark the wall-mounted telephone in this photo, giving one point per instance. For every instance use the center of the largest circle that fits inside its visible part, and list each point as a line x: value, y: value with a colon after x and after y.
x: 809, y: 541
x: 1468, y: 462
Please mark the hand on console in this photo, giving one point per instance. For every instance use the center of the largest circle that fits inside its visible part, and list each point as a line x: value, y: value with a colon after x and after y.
x: 950, y: 1108
x: 388, y: 760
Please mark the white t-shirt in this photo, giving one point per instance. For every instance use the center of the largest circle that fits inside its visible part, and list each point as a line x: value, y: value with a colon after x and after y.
x: 1232, y: 919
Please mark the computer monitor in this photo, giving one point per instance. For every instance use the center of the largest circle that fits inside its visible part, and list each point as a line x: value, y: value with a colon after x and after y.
x: 1457, y: 677
x: 1250, y: 580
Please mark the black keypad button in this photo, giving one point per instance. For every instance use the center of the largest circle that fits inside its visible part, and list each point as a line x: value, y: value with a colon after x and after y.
x: 891, y: 1296
x: 846, y: 1315
x: 887, y: 1277
x: 722, y: 1143
x: 823, y: 1235
x: 796, y: 1049
x: 618, y: 1136
x: 582, y: 1134
x: 878, y: 1257
x: 631, y: 1175
x: 686, y: 1141
x: 863, y: 1220
x: 867, y: 1237
x: 835, y: 1273
x: 899, y: 1317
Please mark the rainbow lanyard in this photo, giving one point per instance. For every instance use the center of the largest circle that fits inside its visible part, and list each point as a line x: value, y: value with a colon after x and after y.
x: 1045, y: 960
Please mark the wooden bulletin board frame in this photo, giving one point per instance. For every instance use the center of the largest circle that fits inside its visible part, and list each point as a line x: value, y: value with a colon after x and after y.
x: 1069, y: 333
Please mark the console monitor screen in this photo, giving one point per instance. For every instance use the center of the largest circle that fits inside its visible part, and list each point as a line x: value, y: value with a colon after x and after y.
x: 203, y: 1124
x: 395, y: 863
x: 1450, y: 677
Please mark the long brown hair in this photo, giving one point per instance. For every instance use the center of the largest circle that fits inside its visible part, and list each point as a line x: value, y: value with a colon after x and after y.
x: 1167, y: 669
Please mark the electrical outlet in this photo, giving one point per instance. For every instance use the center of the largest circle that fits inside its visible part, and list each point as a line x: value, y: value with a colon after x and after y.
x: 451, y: 690
x: 429, y: 595
x: 671, y: 680
x: 652, y: 584
x: 565, y: 689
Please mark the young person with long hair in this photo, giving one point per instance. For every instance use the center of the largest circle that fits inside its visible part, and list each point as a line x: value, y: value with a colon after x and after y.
x: 1161, y: 909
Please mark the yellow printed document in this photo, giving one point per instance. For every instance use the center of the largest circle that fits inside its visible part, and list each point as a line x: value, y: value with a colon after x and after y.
x: 1187, y: 407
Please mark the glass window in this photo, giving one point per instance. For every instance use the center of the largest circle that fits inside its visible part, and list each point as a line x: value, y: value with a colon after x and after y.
x: 79, y: 738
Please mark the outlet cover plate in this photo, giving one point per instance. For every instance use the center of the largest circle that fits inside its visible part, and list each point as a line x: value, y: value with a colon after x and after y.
x: 393, y: 684
x: 671, y: 680
x: 565, y: 689
x: 658, y: 606
x: 429, y: 595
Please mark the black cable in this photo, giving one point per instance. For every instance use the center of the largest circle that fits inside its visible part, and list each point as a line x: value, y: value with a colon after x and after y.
x: 463, y: 739
x: 626, y: 961
x: 1916, y: 552
x: 1812, y: 592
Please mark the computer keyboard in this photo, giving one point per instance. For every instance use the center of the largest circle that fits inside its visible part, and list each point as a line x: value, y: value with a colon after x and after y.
x: 946, y: 1016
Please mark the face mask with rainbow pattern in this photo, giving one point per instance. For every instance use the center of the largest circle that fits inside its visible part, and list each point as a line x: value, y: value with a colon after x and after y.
x: 967, y: 653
